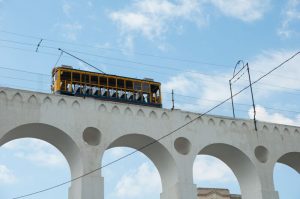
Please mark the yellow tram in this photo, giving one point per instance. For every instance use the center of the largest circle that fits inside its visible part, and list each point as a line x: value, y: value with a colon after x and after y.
x: 69, y: 81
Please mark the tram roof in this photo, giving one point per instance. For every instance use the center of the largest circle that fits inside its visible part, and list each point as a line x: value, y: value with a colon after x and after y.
x: 105, y: 74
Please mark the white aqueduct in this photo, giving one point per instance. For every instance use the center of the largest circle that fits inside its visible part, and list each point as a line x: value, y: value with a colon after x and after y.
x: 82, y: 129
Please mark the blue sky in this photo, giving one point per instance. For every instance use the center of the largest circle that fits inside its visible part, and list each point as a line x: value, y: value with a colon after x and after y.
x: 190, y: 46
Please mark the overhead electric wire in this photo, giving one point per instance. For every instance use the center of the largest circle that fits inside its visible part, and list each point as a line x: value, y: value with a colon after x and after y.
x: 126, y: 60
x: 180, y: 95
x: 63, y: 51
x: 240, y: 104
x: 209, y: 75
x: 161, y: 138
x: 118, y: 50
x: 116, y: 65
x: 76, y: 44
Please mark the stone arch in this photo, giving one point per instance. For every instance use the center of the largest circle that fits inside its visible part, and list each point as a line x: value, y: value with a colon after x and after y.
x: 291, y: 163
x: 156, y: 152
x: 292, y: 159
x: 52, y: 135
x: 241, y: 166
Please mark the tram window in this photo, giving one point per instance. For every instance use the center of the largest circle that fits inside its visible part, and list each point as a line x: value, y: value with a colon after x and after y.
x: 137, y: 86
x: 112, y: 82
x: 129, y: 84
x: 121, y: 83
x: 154, y: 88
x: 76, y: 77
x: 145, y: 87
x: 94, y: 79
x: 103, y: 81
x: 85, y: 78
x: 65, y: 76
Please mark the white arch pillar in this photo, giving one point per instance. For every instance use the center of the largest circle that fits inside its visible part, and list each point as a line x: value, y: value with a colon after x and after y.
x: 267, y: 190
x: 91, y: 185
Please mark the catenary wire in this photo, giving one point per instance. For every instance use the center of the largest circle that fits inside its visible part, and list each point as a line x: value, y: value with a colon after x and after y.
x: 161, y: 73
x: 120, y: 50
x: 51, y: 47
x: 132, y: 62
x: 180, y: 95
x: 163, y: 137
x: 117, y: 50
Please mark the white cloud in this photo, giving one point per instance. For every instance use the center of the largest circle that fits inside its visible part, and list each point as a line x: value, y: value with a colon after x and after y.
x: 284, y: 77
x: 143, y: 181
x: 263, y: 115
x: 151, y: 18
x: 291, y: 19
x: 207, y: 90
x: 246, y: 10
x: 209, y: 169
x: 154, y: 18
x: 6, y: 175
x: 36, y: 151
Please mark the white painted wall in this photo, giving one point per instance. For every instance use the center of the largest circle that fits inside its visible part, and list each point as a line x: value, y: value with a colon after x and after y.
x: 82, y: 129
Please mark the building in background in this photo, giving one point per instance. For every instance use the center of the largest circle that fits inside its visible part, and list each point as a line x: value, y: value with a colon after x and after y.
x: 215, y: 193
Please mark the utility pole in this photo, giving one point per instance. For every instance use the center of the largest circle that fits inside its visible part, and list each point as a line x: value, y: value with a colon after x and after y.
x: 172, y: 100
x: 250, y: 85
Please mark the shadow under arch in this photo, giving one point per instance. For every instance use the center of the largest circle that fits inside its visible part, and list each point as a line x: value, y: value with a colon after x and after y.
x: 241, y: 166
x: 292, y: 159
x: 287, y: 174
x: 156, y: 152
x: 52, y: 135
